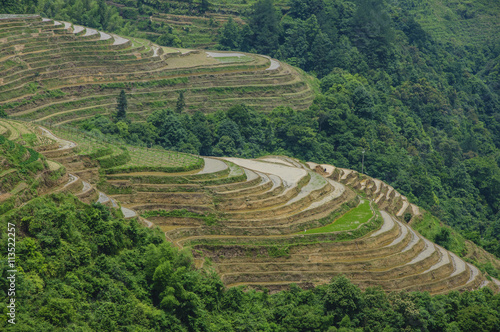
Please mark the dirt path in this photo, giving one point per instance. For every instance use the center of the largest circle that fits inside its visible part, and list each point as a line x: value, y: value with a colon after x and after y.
x: 402, y: 235
x: 445, y: 259
x: 63, y: 144
x: 104, y: 36
x: 458, y: 264
x: 403, y: 208
x: 86, y: 186
x: 72, y: 179
x: 119, y: 40
x: 90, y: 32
x: 428, y: 250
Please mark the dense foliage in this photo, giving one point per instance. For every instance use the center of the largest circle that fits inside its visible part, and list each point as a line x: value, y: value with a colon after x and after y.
x: 82, y: 268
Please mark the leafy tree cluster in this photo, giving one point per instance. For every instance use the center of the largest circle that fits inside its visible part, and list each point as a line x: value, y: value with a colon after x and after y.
x: 317, y: 35
x: 83, y: 268
x: 17, y: 6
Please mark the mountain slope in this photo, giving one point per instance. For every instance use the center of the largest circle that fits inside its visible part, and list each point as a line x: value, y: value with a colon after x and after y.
x: 272, y: 221
x: 56, y: 72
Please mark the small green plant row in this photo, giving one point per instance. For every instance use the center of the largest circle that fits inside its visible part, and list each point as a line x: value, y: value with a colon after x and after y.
x: 83, y: 50
x: 152, y: 179
x: 47, y: 94
x: 295, y: 240
x: 168, y: 169
x: 115, y: 159
x: 154, y: 83
x: 50, y: 79
x: 13, y: 89
x: 210, y: 218
x: 101, y: 153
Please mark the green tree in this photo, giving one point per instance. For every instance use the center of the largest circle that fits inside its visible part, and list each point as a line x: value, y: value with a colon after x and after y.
x: 10, y: 6
x: 264, y: 22
x: 443, y: 238
x: 169, y: 39
x: 225, y: 147
x: 478, y: 318
x: 121, y: 107
x: 229, y: 35
x: 342, y: 298
x: 204, y: 6
x: 103, y: 14
x: 181, y: 103
x: 372, y: 32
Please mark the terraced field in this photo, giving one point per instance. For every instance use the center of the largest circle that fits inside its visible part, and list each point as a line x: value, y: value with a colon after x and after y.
x: 28, y: 174
x: 261, y: 223
x: 268, y: 222
x: 59, y: 73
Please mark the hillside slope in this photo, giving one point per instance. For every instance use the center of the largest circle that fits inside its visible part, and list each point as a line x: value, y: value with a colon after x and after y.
x: 269, y: 222
x: 58, y: 72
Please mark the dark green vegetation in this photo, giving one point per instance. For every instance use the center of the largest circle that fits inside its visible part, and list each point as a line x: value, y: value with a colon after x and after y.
x: 83, y: 268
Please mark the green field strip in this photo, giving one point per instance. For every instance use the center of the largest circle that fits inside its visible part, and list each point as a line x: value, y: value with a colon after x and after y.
x: 170, y: 74
x: 14, y: 132
x: 45, y: 66
x: 351, y: 220
x: 7, y: 171
x: 51, y: 107
x: 285, y: 240
x: 19, y: 187
x: 55, y: 115
x: 146, y: 94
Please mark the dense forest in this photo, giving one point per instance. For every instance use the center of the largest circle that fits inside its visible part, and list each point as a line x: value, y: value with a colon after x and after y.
x: 87, y: 269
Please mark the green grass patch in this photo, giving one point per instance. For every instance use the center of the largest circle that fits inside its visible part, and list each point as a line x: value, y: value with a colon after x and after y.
x: 431, y: 228
x: 351, y: 220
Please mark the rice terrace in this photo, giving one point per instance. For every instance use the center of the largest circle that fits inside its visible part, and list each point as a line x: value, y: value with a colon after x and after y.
x: 263, y: 223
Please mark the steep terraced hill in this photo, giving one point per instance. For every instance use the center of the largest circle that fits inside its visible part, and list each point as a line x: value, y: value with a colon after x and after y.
x: 268, y: 222
x: 274, y: 221
x: 24, y: 172
x: 57, y: 72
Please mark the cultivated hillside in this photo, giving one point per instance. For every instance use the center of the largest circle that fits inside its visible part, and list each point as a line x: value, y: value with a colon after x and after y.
x: 58, y: 72
x: 267, y: 222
